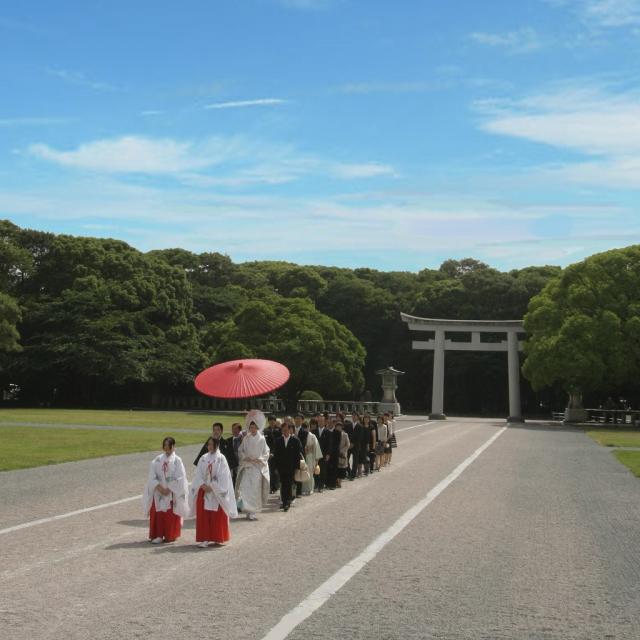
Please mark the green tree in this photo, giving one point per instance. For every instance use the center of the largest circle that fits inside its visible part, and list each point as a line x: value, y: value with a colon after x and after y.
x: 583, y: 329
x: 98, y: 315
x: 320, y: 353
x: 10, y: 316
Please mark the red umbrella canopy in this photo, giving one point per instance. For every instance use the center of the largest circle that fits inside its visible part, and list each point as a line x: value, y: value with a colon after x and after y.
x: 241, y: 378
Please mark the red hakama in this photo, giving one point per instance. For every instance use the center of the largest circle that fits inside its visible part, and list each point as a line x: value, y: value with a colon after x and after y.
x: 212, y: 526
x: 164, y: 524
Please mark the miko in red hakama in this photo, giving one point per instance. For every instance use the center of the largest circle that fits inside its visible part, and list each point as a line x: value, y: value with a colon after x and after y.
x: 210, y: 525
x: 164, y: 524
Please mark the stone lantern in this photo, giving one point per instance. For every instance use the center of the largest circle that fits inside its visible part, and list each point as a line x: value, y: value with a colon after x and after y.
x: 389, y: 386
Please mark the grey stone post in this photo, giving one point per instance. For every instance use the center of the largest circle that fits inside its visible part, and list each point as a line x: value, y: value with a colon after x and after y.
x: 515, y: 411
x: 437, y: 397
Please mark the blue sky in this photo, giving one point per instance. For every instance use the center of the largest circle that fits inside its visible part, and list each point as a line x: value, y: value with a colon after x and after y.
x: 354, y: 133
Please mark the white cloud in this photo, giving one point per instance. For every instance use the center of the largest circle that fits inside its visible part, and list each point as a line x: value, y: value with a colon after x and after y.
x: 612, y: 13
x: 233, y: 161
x: 131, y: 154
x: 603, y: 13
x: 386, y: 87
x: 78, y: 78
x: 602, y: 125
x: 587, y: 120
x: 524, y: 40
x: 365, y: 170
x: 33, y: 121
x: 260, y: 102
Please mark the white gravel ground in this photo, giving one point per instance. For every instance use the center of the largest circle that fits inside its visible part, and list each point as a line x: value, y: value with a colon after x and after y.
x: 538, y: 538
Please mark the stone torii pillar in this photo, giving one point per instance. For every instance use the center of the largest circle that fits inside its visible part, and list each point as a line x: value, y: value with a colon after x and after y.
x: 439, y: 344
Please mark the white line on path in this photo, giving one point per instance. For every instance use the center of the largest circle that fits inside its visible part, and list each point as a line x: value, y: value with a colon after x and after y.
x: 61, y: 516
x: 415, y: 426
x: 328, y: 588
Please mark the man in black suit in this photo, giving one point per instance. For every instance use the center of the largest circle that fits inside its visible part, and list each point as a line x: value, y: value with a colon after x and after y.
x: 233, y: 442
x: 326, y: 439
x: 287, y: 456
x: 225, y: 447
x: 271, y: 434
x: 301, y: 432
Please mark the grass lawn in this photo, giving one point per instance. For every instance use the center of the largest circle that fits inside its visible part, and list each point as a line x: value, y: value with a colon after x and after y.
x: 24, y: 447
x: 630, y: 459
x: 616, y: 437
x: 158, y: 419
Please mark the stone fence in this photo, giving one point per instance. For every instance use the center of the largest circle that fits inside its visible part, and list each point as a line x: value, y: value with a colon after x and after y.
x: 268, y: 405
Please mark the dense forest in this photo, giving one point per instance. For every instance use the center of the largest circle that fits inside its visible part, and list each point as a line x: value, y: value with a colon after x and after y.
x: 95, y: 322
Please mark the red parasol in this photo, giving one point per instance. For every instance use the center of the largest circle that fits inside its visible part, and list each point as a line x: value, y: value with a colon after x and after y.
x: 241, y: 378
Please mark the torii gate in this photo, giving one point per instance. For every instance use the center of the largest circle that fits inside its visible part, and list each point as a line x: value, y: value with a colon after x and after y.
x: 439, y: 344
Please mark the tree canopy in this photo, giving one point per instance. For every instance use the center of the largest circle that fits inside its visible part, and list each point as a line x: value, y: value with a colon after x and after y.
x: 88, y: 320
x: 583, y: 328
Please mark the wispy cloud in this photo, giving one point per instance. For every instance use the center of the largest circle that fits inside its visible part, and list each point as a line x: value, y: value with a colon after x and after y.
x: 33, y: 121
x: 79, y: 79
x: 231, y: 161
x: 131, y: 154
x: 612, y: 13
x: 597, y: 122
x: 525, y: 40
x: 249, y: 225
x: 259, y: 102
x: 603, y: 13
x: 365, y: 170
x: 385, y: 87
x: 151, y: 112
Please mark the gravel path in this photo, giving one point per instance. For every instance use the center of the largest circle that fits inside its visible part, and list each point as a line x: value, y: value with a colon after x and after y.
x: 538, y: 538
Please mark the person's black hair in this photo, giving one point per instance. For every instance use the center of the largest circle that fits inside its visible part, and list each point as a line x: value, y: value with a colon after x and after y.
x: 215, y: 443
x: 271, y: 417
x: 326, y: 415
x: 170, y: 441
x: 218, y: 424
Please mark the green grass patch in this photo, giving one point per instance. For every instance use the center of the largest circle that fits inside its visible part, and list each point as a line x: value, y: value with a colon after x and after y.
x: 616, y: 437
x: 630, y: 459
x: 24, y: 447
x: 157, y: 419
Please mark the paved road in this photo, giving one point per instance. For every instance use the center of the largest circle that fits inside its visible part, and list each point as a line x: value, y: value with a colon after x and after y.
x: 539, y: 537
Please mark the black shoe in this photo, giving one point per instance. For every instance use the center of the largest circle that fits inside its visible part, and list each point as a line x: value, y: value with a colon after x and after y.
x: 286, y: 507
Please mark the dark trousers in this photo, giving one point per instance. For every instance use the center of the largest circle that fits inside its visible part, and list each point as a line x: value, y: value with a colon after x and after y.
x: 274, y: 478
x: 320, y: 480
x: 286, y: 482
x: 332, y: 473
x: 353, y: 462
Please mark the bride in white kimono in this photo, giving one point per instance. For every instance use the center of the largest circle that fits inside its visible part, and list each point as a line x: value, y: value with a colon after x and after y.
x: 252, y: 481
x: 166, y: 496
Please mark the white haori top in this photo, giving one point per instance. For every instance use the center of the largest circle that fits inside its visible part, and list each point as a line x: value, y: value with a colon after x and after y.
x: 252, y: 481
x: 213, y: 471
x: 383, y: 432
x: 254, y: 447
x: 169, y: 472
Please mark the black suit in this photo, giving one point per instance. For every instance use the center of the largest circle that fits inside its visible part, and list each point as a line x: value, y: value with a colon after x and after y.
x: 225, y: 447
x: 287, y: 459
x: 271, y: 435
x: 326, y: 444
x: 302, y: 434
